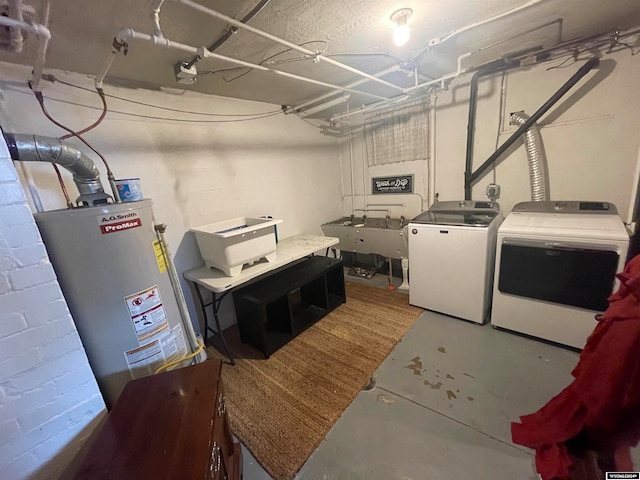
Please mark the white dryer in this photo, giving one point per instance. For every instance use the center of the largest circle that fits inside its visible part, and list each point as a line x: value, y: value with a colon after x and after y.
x: 555, y: 267
x: 451, y: 255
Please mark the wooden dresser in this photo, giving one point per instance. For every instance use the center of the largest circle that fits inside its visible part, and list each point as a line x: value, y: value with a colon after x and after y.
x: 167, y: 426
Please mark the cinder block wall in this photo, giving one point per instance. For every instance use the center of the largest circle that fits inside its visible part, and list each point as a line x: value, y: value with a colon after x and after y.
x: 49, y: 399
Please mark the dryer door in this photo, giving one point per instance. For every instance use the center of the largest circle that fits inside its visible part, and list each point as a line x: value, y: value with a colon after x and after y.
x: 580, y: 275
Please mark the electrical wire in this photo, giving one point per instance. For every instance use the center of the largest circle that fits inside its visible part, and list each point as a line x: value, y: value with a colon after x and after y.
x: 177, y: 110
x: 592, y: 45
x: 264, y: 61
x: 168, y: 119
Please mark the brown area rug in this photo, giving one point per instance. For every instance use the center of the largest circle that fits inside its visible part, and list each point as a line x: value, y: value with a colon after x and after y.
x: 283, y: 407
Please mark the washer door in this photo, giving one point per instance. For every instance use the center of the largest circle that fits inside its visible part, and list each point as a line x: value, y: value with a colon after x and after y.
x: 579, y: 275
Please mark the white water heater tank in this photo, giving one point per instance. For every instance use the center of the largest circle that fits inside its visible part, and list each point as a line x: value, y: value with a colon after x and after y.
x: 113, y: 274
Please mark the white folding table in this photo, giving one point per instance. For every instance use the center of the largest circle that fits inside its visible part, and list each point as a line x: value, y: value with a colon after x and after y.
x: 288, y: 251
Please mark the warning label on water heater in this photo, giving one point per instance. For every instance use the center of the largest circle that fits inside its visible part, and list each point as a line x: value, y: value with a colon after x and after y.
x: 119, y: 222
x: 147, y: 313
x: 144, y: 360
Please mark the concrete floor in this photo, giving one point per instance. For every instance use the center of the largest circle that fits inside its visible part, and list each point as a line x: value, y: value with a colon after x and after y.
x: 442, y: 407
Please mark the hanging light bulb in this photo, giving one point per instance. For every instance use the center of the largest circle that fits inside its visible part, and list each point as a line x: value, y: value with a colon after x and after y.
x: 401, y: 30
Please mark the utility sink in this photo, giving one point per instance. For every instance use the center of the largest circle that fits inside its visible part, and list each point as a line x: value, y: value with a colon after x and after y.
x: 382, y: 236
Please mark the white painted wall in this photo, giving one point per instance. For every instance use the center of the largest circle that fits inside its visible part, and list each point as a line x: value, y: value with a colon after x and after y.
x: 590, y: 137
x: 196, y: 173
x: 49, y: 398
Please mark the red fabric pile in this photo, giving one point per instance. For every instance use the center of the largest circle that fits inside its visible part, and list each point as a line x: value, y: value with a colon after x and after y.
x: 603, y: 400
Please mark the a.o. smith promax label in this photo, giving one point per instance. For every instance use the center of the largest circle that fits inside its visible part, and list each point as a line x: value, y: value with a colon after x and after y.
x: 625, y: 475
x: 119, y: 222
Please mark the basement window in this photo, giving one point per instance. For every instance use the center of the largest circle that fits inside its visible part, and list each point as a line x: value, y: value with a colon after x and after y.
x: 397, y: 134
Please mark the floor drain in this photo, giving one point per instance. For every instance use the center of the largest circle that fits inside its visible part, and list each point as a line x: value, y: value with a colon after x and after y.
x: 371, y: 384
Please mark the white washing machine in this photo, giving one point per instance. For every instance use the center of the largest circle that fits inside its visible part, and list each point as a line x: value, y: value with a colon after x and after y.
x: 451, y: 255
x: 555, y: 267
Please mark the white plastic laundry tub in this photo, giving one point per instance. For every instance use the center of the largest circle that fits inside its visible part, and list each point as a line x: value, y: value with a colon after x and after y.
x: 230, y: 244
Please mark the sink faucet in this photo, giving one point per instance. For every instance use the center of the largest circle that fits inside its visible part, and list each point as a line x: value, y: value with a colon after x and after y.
x: 386, y: 221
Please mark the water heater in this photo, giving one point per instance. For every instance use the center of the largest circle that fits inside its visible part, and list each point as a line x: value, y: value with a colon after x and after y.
x: 112, y: 270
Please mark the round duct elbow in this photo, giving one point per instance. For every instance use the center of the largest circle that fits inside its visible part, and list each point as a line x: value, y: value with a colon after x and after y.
x: 35, y: 148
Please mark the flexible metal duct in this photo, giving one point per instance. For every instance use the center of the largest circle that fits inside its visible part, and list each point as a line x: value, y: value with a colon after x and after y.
x: 35, y: 148
x: 536, y: 156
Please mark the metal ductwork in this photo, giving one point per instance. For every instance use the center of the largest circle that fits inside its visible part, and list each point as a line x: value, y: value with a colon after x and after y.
x: 35, y: 148
x: 536, y: 156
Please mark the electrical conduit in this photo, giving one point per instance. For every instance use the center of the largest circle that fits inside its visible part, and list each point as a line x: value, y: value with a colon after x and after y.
x: 120, y: 42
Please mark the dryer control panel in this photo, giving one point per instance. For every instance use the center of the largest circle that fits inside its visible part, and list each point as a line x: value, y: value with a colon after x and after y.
x: 560, y: 206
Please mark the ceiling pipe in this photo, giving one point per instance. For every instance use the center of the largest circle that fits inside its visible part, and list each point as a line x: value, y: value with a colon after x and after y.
x: 157, y: 31
x: 442, y: 80
x: 15, y: 34
x: 325, y: 106
x: 494, y: 67
x: 317, y: 99
x: 316, y: 56
x: 229, y: 33
x: 43, y: 34
x: 450, y: 35
x: 41, y: 53
x: 120, y: 43
x: 459, y: 70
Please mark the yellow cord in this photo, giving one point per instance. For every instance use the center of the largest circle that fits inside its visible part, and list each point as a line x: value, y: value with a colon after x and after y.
x: 175, y: 362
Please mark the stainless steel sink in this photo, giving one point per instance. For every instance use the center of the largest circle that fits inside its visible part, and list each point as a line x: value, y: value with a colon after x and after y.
x: 386, y: 237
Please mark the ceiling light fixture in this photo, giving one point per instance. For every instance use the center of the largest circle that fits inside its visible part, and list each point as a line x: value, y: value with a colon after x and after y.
x: 401, y: 29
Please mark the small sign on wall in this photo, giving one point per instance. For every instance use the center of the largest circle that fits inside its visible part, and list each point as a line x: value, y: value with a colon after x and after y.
x: 396, y: 184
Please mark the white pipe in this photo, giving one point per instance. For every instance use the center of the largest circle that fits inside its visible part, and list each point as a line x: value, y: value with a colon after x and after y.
x: 353, y: 193
x: 373, y: 106
x: 201, y: 52
x: 363, y: 144
x: 43, y: 44
x: 459, y: 71
x: 15, y: 34
x: 450, y: 76
x: 311, y: 101
x: 105, y: 69
x: 157, y: 31
x: 454, y: 33
x: 431, y: 164
x: 325, y: 105
x: 43, y: 34
x: 35, y: 28
x: 293, y: 46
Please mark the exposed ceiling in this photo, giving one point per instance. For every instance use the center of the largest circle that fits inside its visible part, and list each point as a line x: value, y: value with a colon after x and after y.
x: 354, y: 32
